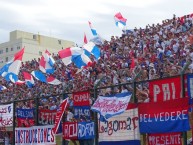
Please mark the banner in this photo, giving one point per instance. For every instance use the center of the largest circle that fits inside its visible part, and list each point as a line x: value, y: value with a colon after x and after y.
x: 165, y: 89
x: 59, y: 114
x: 6, y: 115
x: 86, y: 130
x: 190, y: 88
x: 82, y: 111
x: 25, y: 122
x: 47, y: 116
x: 122, y: 129
x: 165, y: 139
x: 70, y: 130
x: 81, y: 98
x: 111, y: 105
x: 164, y: 117
x: 78, y: 130
x: 36, y: 135
x: 25, y: 113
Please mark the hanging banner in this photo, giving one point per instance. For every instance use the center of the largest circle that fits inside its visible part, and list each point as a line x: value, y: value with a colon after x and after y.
x: 25, y: 113
x: 165, y: 139
x: 122, y: 129
x: 47, y: 116
x: 109, y: 106
x: 81, y: 98
x: 190, y: 88
x: 78, y: 130
x: 25, y: 122
x: 86, y: 130
x: 36, y: 135
x: 6, y: 115
x: 59, y: 114
x: 82, y: 111
x: 164, y: 117
x: 70, y: 130
x: 165, y: 89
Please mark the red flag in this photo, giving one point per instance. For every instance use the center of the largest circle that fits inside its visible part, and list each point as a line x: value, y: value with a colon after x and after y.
x: 85, y: 39
x: 59, y: 115
x: 132, y: 66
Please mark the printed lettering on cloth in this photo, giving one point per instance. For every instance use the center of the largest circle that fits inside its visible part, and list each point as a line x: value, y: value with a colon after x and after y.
x: 25, y: 113
x: 47, y: 116
x: 109, y: 106
x: 21, y: 122
x: 70, y: 130
x: 59, y: 114
x: 82, y: 111
x: 122, y: 129
x: 36, y: 135
x: 81, y: 98
x: 164, y: 117
x: 165, y: 89
x: 86, y: 130
x: 6, y: 113
x: 78, y: 130
x: 165, y: 139
x: 190, y: 88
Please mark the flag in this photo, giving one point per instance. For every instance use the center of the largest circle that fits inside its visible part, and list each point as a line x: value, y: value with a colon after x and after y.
x: 39, y: 76
x: 109, y: 106
x: 81, y: 60
x: 69, y: 53
x: 2, y: 88
x: 93, y: 49
x: 120, y: 21
x: 75, y: 55
x: 59, y: 115
x: 93, y: 30
x: 85, y: 39
x: 29, y: 81
x: 10, y: 70
x: 51, y: 80
x: 46, y: 63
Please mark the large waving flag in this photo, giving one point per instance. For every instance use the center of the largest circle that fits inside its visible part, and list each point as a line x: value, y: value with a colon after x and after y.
x: 93, y: 30
x: 51, y: 80
x: 93, y: 49
x: 46, y: 63
x: 39, y: 76
x: 120, y: 21
x: 69, y: 53
x: 75, y: 55
x: 29, y: 81
x: 81, y: 60
x: 10, y: 70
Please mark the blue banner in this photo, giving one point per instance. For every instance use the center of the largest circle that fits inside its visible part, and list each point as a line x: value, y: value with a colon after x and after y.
x: 25, y: 113
x: 190, y: 87
x: 82, y: 111
x: 86, y: 130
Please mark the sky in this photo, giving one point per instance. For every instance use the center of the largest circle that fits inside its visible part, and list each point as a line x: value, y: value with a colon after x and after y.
x: 68, y: 19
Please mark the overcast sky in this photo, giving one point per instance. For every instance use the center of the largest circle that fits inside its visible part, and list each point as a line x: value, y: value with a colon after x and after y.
x: 68, y: 19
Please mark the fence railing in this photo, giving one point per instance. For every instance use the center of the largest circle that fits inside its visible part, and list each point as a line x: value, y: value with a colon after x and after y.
x: 134, y: 86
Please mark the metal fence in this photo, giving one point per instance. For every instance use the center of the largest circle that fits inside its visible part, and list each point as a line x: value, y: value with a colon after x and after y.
x: 135, y: 86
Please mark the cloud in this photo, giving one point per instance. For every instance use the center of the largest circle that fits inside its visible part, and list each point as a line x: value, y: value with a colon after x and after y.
x: 69, y: 19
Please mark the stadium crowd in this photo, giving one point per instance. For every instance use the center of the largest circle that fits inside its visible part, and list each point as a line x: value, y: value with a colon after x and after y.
x: 157, y: 51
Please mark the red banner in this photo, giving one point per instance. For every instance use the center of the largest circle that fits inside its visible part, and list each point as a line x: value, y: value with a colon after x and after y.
x: 59, y: 114
x: 47, y: 116
x: 165, y: 89
x: 70, y: 130
x: 165, y: 139
x: 25, y: 122
x: 81, y: 98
